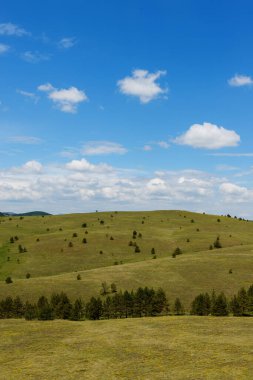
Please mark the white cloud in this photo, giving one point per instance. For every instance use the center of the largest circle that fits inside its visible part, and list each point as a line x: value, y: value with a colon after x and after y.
x: 46, y: 87
x: 103, y: 147
x: 67, y: 43
x: 235, y: 193
x: 10, y: 29
x: 208, y: 136
x: 34, y: 57
x: 83, y: 165
x: 231, y: 188
x: 4, y: 48
x: 29, y: 95
x: 32, y: 166
x: 240, y: 80
x: 66, y: 100
x: 143, y: 85
x: 30, y: 140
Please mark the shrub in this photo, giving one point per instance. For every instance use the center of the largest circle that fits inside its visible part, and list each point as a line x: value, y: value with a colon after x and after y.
x: 153, y: 251
x: 217, y: 243
x: 113, y: 288
x: 74, y: 235
x: 8, y: 280
x: 78, y: 277
x: 137, y: 249
x: 84, y: 241
x: 28, y: 275
x: 111, y: 238
x: 84, y: 225
x: 178, y: 251
x: 70, y: 244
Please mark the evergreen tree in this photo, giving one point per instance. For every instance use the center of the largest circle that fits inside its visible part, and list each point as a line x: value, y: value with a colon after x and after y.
x: 45, y: 310
x: 235, y: 307
x: 243, y: 301
x: 220, y: 308
x: 201, y: 305
x: 108, y: 308
x: 250, y: 299
x: 77, y: 312
x: 30, y: 312
x: 94, y: 309
x: 178, y: 307
x: 18, y: 308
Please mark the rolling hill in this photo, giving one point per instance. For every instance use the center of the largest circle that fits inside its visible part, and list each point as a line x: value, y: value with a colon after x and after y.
x: 97, y: 246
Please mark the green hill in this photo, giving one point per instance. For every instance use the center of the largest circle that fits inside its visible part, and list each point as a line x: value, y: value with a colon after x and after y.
x: 55, y: 252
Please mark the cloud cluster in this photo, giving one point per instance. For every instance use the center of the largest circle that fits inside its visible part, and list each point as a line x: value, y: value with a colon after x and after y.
x: 66, y: 99
x: 208, y: 136
x: 81, y: 185
x: 143, y: 85
x: 240, y: 80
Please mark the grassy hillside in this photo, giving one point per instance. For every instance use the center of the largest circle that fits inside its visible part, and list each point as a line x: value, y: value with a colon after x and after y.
x: 107, y: 256
x: 148, y: 348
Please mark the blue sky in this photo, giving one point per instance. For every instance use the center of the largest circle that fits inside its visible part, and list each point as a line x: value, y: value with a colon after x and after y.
x: 126, y: 105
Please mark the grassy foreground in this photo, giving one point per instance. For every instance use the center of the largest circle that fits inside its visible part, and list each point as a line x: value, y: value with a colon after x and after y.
x: 193, y: 348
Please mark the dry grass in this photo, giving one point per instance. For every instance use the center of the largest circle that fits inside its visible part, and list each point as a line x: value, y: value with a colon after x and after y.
x: 193, y: 348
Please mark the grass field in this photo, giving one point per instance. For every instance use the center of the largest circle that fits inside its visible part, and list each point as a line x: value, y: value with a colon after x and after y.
x: 54, y: 265
x: 187, y: 348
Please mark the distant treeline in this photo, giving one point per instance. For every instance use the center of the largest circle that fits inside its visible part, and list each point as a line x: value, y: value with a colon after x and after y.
x: 143, y: 302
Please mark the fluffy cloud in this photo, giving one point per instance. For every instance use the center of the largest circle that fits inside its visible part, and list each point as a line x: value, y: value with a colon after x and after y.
x: 10, y: 29
x: 208, y: 136
x: 103, y: 147
x: 235, y: 193
x: 4, y: 48
x: 67, y: 43
x: 143, y: 85
x: 66, y: 99
x: 84, y: 165
x: 240, y: 80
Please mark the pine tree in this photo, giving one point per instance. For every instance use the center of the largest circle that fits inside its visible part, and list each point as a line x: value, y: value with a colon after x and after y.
x: 220, y: 308
x: 178, y: 307
x: 77, y: 312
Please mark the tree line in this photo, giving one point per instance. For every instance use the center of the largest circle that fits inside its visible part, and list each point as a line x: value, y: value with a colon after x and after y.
x: 144, y: 302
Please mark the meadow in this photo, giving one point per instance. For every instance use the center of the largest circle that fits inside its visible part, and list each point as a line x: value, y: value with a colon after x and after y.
x: 106, y: 256
x: 192, y: 348
x: 53, y: 251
